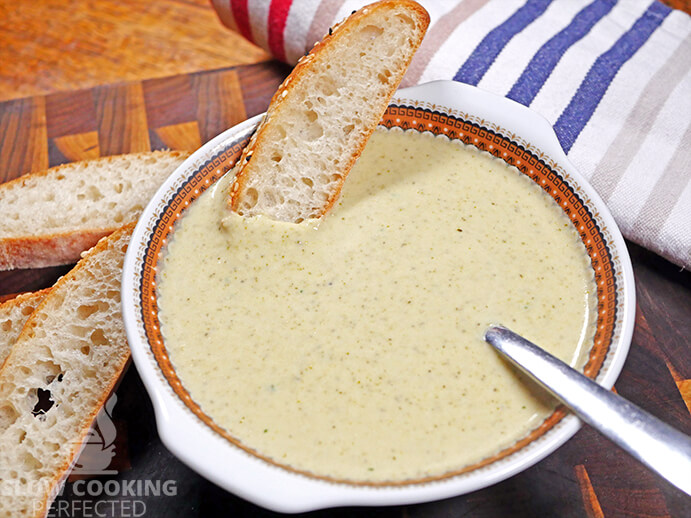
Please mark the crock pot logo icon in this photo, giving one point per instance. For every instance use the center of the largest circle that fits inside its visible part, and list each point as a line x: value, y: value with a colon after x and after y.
x: 99, y: 446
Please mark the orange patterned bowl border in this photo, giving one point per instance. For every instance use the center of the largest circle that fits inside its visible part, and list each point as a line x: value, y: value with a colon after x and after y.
x: 527, y: 161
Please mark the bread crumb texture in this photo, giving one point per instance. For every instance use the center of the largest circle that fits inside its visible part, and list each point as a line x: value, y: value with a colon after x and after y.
x: 13, y: 315
x: 321, y: 117
x: 57, y: 376
x: 105, y: 193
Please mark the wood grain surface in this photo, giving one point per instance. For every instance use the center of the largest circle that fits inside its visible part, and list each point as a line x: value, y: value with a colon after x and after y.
x: 58, y: 45
x: 54, y: 45
x: 586, y: 477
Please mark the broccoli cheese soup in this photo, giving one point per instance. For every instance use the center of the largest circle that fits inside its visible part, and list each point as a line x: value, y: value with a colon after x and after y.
x: 352, y: 347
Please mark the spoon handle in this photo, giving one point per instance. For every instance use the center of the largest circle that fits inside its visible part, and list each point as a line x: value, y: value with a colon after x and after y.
x: 662, y: 448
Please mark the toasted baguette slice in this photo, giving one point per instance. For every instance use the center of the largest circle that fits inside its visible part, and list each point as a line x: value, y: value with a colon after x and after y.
x: 50, y: 217
x: 13, y: 315
x: 73, y: 346
x: 320, y: 118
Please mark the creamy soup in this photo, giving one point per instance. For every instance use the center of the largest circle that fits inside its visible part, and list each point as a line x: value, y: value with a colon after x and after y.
x: 352, y: 347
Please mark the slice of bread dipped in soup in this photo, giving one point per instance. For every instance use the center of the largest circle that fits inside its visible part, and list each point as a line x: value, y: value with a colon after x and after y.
x: 320, y: 118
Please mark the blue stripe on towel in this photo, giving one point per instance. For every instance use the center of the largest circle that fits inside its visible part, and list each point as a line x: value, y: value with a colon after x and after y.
x: 591, y: 90
x: 541, y: 66
x: 491, y: 45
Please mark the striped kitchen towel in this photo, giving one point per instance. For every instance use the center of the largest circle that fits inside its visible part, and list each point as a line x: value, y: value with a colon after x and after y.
x: 612, y: 77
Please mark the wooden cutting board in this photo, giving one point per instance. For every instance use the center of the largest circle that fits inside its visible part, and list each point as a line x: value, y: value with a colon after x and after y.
x: 586, y: 477
x: 178, y: 112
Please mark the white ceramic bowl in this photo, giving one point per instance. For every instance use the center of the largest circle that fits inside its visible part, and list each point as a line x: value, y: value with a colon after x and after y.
x: 495, y: 124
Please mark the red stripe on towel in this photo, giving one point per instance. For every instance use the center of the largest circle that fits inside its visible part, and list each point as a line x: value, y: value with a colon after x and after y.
x: 242, y: 18
x: 278, y: 16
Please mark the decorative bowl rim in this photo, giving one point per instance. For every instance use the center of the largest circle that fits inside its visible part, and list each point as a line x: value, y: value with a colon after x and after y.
x: 274, y: 487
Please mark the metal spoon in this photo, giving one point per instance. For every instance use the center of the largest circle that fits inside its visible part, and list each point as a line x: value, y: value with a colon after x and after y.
x: 662, y: 448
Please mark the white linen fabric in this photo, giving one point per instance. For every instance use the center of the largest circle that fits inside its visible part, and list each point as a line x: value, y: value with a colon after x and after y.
x: 612, y: 77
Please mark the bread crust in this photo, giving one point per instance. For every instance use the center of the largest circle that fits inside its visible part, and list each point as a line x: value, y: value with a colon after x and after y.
x: 17, y: 298
x: 303, y: 69
x: 21, y: 180
x: 48, y: 250
x: 21, y: 301
x: 58, y: 248
x: 122, y: 356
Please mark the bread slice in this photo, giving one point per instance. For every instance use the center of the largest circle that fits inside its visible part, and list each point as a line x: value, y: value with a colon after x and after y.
x: 320, y: 118
x: 50, y: 217
x: 74, y: 348
x: 13, y: 315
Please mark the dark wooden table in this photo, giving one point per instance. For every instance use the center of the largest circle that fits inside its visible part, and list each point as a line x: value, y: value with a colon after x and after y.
x: 586, y: 477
